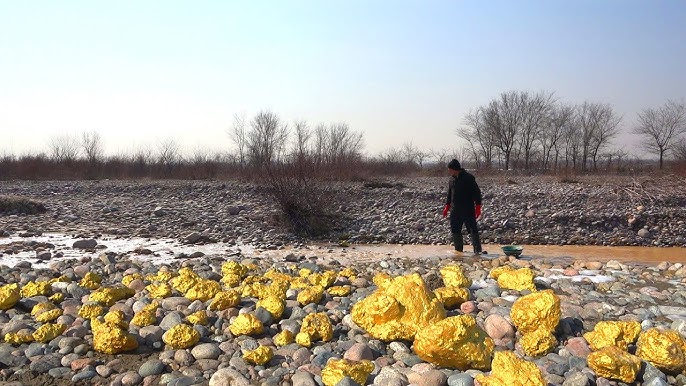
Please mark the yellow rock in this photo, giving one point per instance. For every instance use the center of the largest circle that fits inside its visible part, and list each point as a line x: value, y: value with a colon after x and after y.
x: 273, y: 304
x: 348, y: 272
x: 613, y: 333
x: 42, y: 307
x: 116, y: 318
x: 224, y: 300
x: 517, y: 280
x: 304, y: 272
x: 283, y: 338
x: 32, y: 289
x: 110, y: 295
x: 277, y: 288
x: 337, y: 369
x: 146, y: 316
x: 398, y: 308
x: 342, y: 290
x: 20, y: 337
x: 234, y: 268
x: 455, y: 342
x: 324, y: 279
x: 231, y: 280
x: 314, y: 327
x: 161, y: 276
x: 9, y: 296
x: 259, y: 356
x: 91, y: 281
x: 49, y: 316
x: 62, y: 279
x: 312, y: 294
x: 453, y: 276
x: 185, y: 280
x: 56, y: 297
x: 452, y: 297
x: 614, y: 363
x: 127, y: 279
x: 199, y: 317
x: 109, y: 337
x: 246, y: 324
x: 159, y: 290
x: 45, y: 312
x: 382, y: 280
x: 254, y: 289
x: 299, y: 283
x: 203, y: 290
x: 664, y: 349
x: 538, y: 310
x: 48, y: 332
x: 181, y: 336
x: 538, y: 343
x: 90, y: 311
x: 507, y: 369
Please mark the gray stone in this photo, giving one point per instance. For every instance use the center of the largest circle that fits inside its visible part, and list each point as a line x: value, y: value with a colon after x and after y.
x: 206, y: 351
x: 228, y: 377
x: 302, y: 378
x: 576, y: 379
x: 347, y: 381
x: 389, y: 376
x: 171, y: 303
x: 84, y: 375
x: 84, y: 244
x: 186, y: 381
x: 170, y: 320
x: 656, y: 382
x: 487, y: 293
x: 131, y: 378
x: 460, y: 380
x: 151, y: 367
x: 60, y: 372
x: 650, y: 372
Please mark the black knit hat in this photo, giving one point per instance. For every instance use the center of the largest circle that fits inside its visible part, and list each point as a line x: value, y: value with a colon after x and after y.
x: 454, y: 164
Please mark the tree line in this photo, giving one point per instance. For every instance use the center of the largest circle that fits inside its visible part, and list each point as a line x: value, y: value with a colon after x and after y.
x: 532, y: 130
x: 522, y: 130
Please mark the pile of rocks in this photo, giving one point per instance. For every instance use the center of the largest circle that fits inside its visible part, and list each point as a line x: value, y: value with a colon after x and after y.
x: 589, y: 292
x: 531, y: 210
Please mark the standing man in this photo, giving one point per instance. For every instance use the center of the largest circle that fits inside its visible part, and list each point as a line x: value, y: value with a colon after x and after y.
x: 464, y: 205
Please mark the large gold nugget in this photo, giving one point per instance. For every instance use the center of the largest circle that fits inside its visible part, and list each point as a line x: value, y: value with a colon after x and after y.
x: 538, y: 343
x: 455, y: 342
x: 518, y: 280
x: 539, y: 310
x: 337, y: 369
x: 665, y: 349
x: 9, y: 296
x: 509, y: 370
x: 315, y: 326
x: 611, y: 333
x: 398, y: 308
x: 109, y: 337
x: 181, y: 336
x: 453, y: 276
x: 614, y: 363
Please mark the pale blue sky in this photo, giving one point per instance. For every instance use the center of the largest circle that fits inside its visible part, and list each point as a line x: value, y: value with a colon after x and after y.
x: 140, y: 72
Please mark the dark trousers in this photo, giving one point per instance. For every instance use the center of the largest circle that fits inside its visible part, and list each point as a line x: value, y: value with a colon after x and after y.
x: 456, y: 222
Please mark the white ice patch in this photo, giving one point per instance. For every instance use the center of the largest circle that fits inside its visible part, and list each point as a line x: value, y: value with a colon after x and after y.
x: 163, y: 250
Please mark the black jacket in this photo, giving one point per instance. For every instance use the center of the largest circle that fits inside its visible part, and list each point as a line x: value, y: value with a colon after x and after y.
x: 463, y: 194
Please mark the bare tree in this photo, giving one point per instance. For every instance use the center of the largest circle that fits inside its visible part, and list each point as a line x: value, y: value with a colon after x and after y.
x: 680, y: 150
x: 301, y: 143
x: 504, y: 117
x: 168, y: 155
x: 661, y: 127
x: 536, y: 110
x: 91, y: 144
x: 238, y: 136
x: 599, y: 124
x: 267, y: 139
x: 553, y: 133
x: 479, y: 136
x: 64, y: 148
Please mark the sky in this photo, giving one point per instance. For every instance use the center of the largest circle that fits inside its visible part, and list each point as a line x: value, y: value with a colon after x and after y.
x: 144, y: 72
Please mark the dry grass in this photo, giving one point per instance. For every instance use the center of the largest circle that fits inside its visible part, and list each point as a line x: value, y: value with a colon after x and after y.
x: 20, y: 205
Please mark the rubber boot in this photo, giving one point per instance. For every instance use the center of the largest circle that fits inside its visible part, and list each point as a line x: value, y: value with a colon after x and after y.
x: 476, y: 243
x: 458, y: 242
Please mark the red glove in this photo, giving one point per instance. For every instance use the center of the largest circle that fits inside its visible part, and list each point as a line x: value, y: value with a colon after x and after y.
x: 477, y: 210
x: 446, y: 210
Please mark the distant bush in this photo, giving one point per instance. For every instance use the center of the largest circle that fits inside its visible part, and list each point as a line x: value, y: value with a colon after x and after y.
x: 20, y: 205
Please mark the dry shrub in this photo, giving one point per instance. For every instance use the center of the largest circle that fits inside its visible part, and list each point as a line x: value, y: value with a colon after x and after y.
x: 303, y: 198
x: 20, y: 205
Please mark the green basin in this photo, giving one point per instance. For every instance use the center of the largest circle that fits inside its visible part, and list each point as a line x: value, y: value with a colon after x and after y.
x: 512, y: 250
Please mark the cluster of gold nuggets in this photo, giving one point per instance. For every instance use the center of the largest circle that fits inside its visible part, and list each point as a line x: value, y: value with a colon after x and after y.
x: 402, y: 308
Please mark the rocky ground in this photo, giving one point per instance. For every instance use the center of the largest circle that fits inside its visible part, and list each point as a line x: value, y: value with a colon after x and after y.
x: 405, y: 211
x: 523, y: 210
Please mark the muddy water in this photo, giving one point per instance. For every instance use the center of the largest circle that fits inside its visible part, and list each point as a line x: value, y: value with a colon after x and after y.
x: 642, y: 255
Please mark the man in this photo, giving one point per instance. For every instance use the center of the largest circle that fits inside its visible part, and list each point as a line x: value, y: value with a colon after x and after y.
x: 464, y: 205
